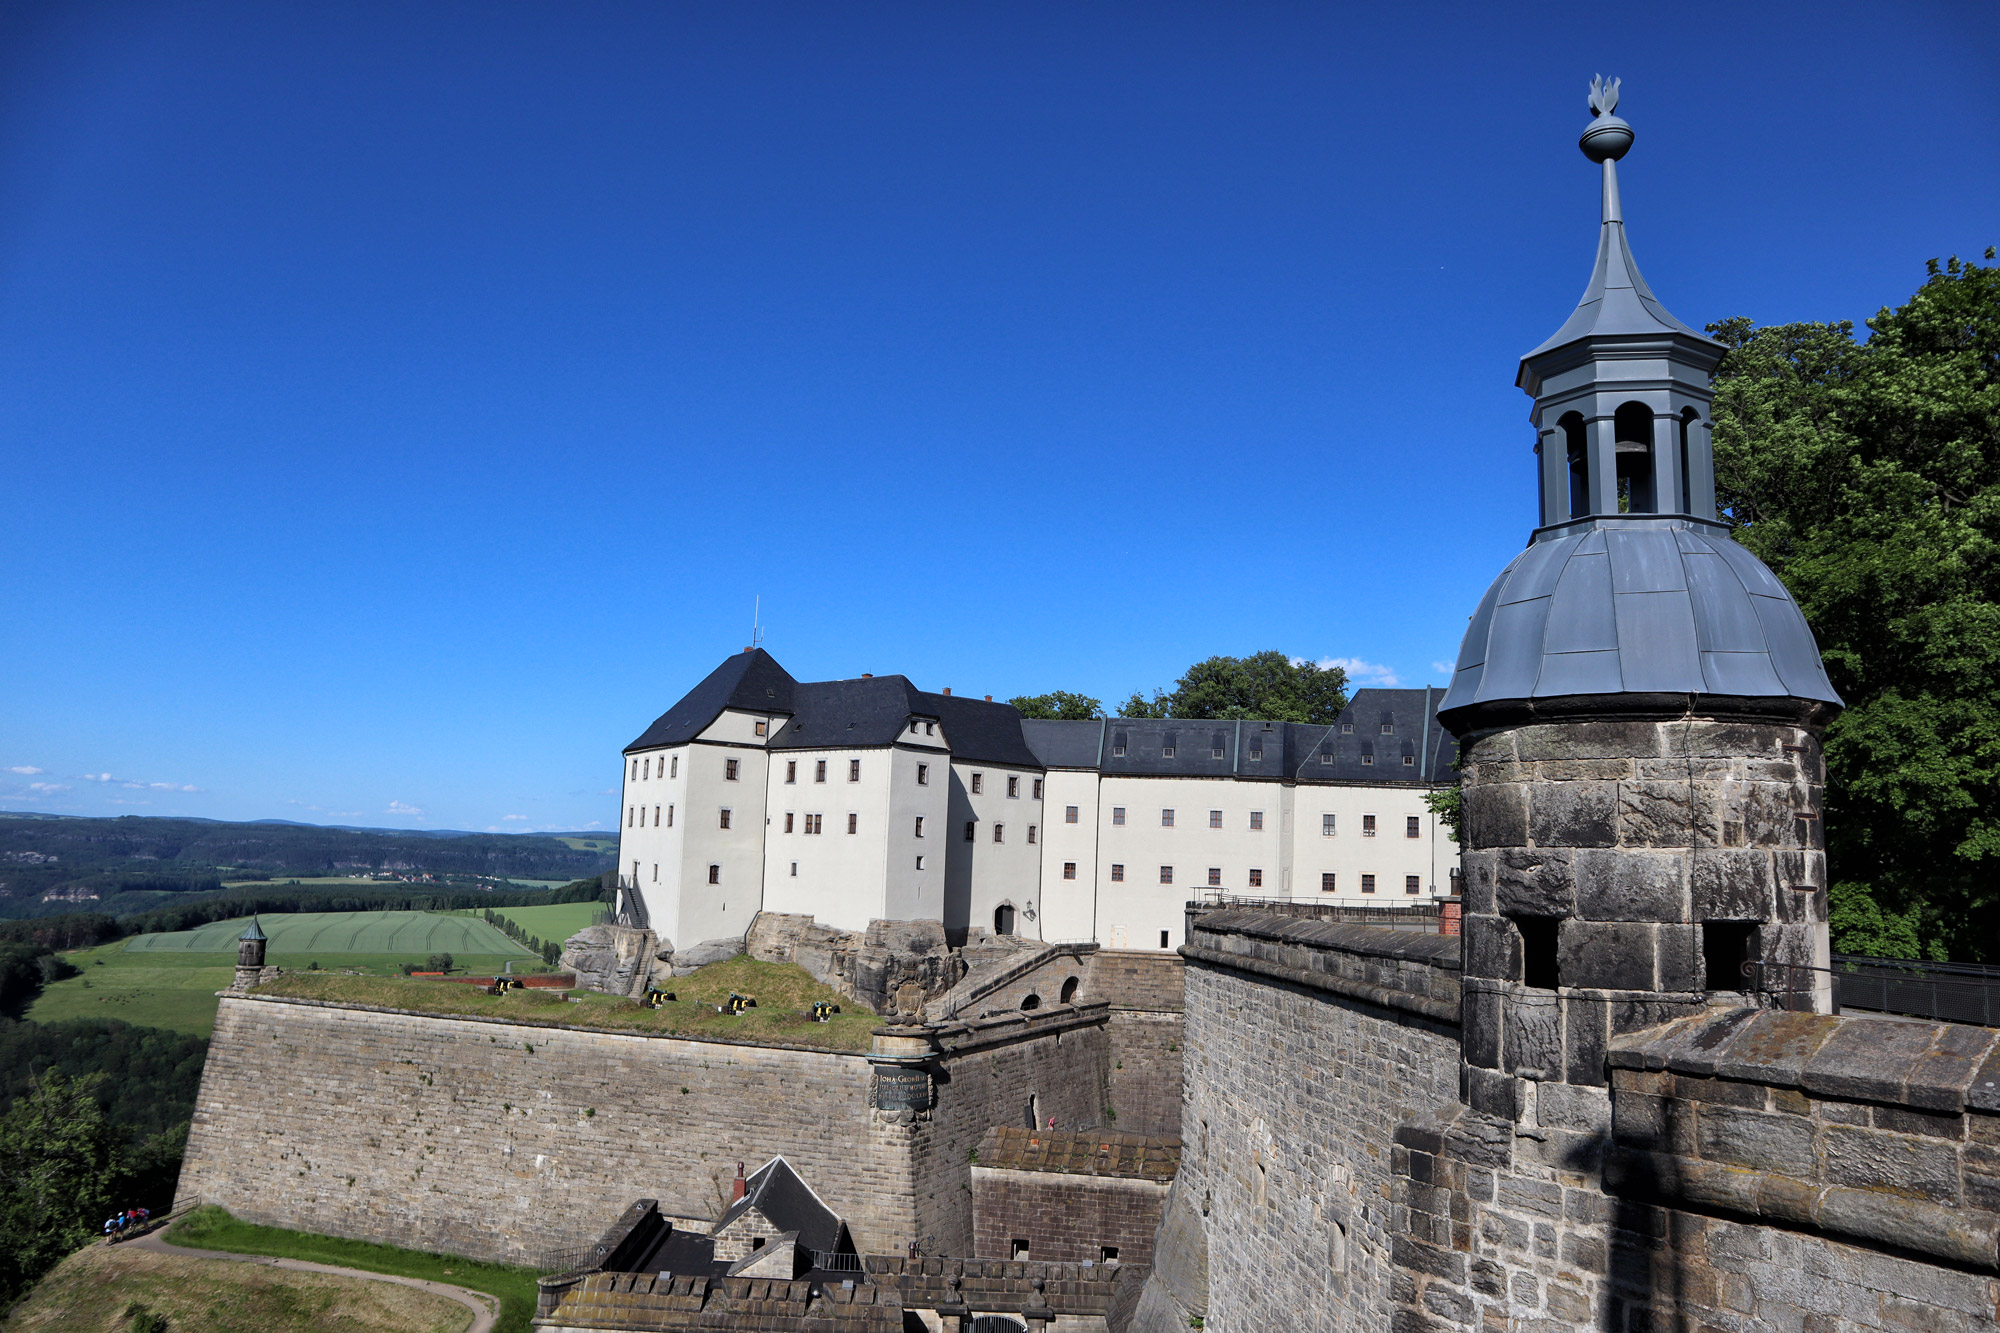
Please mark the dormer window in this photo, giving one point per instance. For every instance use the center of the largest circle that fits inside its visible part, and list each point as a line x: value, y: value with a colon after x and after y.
x: 763, y: 727
x: 1118, y: 744
x: 1169, y: 745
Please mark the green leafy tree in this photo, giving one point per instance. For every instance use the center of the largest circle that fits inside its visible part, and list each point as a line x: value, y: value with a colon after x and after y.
x: 1059, y: 705
x: 59, y: 1163
x: 1269, y: 685
x: 1867, y: 475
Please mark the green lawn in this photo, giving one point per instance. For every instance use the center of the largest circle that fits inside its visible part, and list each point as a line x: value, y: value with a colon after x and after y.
x: 783, y: 993
x: 557, y: 922
x: 300, y: 936
x: 212, y: 1228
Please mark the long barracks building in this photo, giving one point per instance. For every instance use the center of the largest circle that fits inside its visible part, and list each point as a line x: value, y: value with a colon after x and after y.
x: 866, y: 799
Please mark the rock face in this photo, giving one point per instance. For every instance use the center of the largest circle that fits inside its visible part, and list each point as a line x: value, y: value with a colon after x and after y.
x: 894, y: 967
x: 687, y: 960
x: 617, y: 960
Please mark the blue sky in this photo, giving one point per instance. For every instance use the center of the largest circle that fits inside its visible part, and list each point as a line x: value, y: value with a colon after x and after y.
x: 401, y: 405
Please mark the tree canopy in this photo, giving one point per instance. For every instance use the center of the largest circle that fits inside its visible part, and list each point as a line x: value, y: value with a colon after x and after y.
x: 1059, y: 705
x: 1867, y: 475
x: 1269, y: 685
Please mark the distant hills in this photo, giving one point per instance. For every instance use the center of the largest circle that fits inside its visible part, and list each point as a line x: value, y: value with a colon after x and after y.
x: 66, y: 863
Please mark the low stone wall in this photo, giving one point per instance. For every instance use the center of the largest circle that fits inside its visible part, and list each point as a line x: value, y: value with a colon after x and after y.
x: 1070, y: 1197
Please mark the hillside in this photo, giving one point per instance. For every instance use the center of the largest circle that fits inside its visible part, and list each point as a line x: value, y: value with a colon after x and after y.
x: 60, y: 863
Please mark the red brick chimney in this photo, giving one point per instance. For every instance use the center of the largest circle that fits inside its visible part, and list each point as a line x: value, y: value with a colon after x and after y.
x: 989, y: 698
x: 736, y: 1190
x: 946, y: 690
x: 867, y: 675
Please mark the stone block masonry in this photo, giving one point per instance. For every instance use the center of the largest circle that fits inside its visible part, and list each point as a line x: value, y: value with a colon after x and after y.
x: 502, y: 1141
x: 1147, y: 993
x: 1070, y: 1198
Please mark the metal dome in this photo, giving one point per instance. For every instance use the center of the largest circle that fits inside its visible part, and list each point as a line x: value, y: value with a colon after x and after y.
x: 1637, y: 606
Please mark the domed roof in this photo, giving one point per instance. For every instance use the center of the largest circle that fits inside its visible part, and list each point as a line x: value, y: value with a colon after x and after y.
x: 1637, y: 606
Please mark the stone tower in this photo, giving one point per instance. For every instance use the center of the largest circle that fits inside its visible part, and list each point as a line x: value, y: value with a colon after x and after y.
x: 1639, y: 704
x: 249, y: 956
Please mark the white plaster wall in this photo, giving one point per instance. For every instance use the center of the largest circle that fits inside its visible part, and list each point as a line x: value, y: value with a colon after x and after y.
x: 652, y: 851
x: 842, y: 876
x: 719, y: 911
x: 1390, y: 855
x: 910, y: 893
x: 1069, y: 907
x: 982, y: 874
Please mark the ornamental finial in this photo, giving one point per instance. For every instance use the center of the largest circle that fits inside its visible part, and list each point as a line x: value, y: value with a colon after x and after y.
x: 1603, y: 96
x: 1607, y: 138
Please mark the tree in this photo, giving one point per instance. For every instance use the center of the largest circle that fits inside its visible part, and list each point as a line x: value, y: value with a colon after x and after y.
x: 59, y: 1156
x: 1267, y: 685
x: 1059, y: 705
x: 1867, y: 475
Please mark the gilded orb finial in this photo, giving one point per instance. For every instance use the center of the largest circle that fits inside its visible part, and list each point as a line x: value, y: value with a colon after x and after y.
x: 1607, y: 138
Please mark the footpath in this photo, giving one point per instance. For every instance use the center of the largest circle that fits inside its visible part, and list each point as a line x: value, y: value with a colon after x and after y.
x: 485, y: 1309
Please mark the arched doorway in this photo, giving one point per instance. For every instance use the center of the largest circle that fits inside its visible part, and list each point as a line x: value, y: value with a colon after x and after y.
x: 1003, y: 919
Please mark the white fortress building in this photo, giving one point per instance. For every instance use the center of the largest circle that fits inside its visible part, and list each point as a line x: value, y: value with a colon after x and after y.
x: 869, y: 799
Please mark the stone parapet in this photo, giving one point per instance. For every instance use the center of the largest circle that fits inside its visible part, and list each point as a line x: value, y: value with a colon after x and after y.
x: 1403, y: 970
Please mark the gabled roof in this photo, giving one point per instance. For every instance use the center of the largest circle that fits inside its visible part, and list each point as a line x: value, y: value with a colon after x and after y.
x: 981, y: 732
x: 752, y: 681
x: 788, y: 1204
x: 873, y: 710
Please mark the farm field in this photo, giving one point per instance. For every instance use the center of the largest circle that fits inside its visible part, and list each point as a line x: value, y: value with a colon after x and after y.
x: 160, y: 981
x: 409, y: 935
x: 557, y: 921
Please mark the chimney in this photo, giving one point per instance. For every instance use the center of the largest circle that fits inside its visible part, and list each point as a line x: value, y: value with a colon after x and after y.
x: 946, y: 690
x: 867, y: 675
x: 989, y: 698
x: 749, y: 647
x: 736, y: 1189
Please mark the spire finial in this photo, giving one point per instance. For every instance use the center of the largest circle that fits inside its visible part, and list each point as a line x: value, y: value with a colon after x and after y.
x: 1605, y: 140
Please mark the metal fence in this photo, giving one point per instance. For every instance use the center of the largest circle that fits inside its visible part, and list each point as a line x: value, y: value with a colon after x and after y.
x: 1947, y: 992
x: 570, y: 1258
x: 835, y: 1261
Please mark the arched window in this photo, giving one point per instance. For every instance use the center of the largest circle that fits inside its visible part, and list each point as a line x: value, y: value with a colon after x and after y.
x: 1069, y: 990
x: 1032, y: 1002
x: 1575, y: 443
x: 1003, y: 919
x: 1688, y: 417
x: 1632, y: 428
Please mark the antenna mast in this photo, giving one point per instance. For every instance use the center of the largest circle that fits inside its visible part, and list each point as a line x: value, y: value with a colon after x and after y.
x: 756, y: 622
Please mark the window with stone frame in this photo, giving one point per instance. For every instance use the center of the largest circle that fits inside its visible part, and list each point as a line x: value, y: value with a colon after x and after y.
x: 1215, y: 819
x: 1069, y: 814
x: 1326, y: 881
x: 1368, y: 884
x: 1256, y: 879
x: 853, y: 822
x: 971, y: 829
x: 731, y: 769
x: 791, y: 770
x: 1166, y: 874
x: 1367, y: 826
x: 725, y: 817
x: 715, y: 874
x: 1413, y: 826
x: 819, y: 770
x: 1256, y: 821
x: 1413, y: 883
x: 1117, y: 873
x: 854, y: 770
x: 1215, y: 877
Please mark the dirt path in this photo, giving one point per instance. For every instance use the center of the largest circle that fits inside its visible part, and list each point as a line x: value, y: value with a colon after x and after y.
x: 485, y: 1309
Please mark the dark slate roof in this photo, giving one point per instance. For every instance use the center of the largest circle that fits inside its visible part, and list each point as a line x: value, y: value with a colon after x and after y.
x: 253, y: 931
x: 776, y: 1191
x: 1637, y: 606
x: 1257, y: 749
x: 1617, y: 303
x: 872, y: 710
x: 982, y: 732
x: 751, y: 680
x: 1080, y: 1153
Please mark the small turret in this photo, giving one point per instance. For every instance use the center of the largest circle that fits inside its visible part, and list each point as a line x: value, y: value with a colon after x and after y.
x: 249, y: 956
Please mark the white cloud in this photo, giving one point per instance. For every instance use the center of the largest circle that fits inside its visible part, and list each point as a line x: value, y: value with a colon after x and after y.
x: 25, y: 770
x: 173, y: 786
x: 96, y: 777
x: 520, y: 819
x: 47, y: 786
x: 399, y: 808
x: 1360, y: 672
x: 1443, y: 668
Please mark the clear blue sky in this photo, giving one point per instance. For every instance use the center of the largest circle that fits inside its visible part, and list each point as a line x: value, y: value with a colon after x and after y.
x: 401, y: 404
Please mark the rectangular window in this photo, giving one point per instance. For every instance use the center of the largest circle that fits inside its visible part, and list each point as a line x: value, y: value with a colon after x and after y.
x: 1167, y: 750
x: 635, y: 770
x: 1367, y: 757
x: 795, y: 870
x: 725, y: 816
x: 971, y: 825
x: 670, y: 816
x: 1388, y: 728
x: 730, y: 769
x: 920, y: 826
x: 1118, y: 814
x: 788, y: 821
x: 763, y: 727
x: 853, y: 822
x: 1409, y: 761
x: 1215, y: 819
x: 656, y: 816
x: 791, y: 770
x: 1163, y: 939
x: 1069, y: 870
x: 1413, y: 826
x: 1413, y: 883
x: 1368, y: 884
x: 1256, y: 821
x: 1166, y: 874
x: 913, y: 726
x: 715, y: 874
x: 854, y: 770
x: 920, y: 863
x: 923, y: 775
x: 1031, y: 835
x: 645, y: 769
x: 656, y: 872
x: 1326, y: 882
x: 1038, y: 789
x: 1347, y: 728
x: 1117, y: 873
x: 1118, y: 744
x: 1166, y: 819
x: 930, y: 728
x: 1069, y: 814
x: 819, y: 770
x: 674, y: 767
x: 978, y: 783
x: 1367, y: 826
x: 1215, y: 877
x: 1256, y: 879
x: 1215, y: 744
x: 999, y: 833
x: 816, y: 823
x: 1326, y: 826
x: 1013, y: 788
x: 1326, y: 756
x: 630, y: 815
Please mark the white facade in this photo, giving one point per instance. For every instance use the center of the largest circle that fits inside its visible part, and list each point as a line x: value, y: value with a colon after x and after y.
x: 927, y: 807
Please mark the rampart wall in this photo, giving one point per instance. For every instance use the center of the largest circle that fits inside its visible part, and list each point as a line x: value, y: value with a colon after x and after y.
x: 1147, y: 994
x: 502, y: 1140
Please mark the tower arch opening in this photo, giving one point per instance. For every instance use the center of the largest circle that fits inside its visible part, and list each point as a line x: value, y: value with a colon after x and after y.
x: 1576, y: 444
x: 1632, y: 429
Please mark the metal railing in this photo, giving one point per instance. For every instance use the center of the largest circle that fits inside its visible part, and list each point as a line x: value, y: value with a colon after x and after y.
x: 570, y: 1259
x: 836, y: 1261
x: 1946, y: 992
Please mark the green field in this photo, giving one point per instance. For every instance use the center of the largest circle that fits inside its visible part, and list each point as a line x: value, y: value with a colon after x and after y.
x: 557, y: 921
x: 166, y: 981
x: 588, y: 844
x: 303, y: 935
